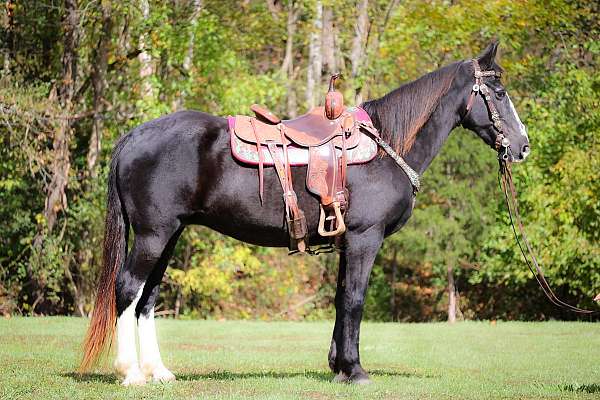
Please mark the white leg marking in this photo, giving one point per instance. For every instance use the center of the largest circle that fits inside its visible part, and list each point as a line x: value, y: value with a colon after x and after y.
x: 126, y: 362
x: 150, y: 360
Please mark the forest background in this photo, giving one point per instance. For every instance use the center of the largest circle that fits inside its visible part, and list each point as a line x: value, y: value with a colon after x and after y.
x: 77, y: 74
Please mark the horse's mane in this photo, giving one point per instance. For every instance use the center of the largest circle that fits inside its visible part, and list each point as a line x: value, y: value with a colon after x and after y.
x: 400, y: 114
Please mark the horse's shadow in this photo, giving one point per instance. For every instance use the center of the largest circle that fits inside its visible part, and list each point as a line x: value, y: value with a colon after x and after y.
x: 323, y: 376
x: 91, y: 377
x: 591, y: 388
x: 225, y: 375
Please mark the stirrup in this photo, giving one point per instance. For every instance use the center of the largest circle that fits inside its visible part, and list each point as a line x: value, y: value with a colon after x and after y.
x: 341, y: 226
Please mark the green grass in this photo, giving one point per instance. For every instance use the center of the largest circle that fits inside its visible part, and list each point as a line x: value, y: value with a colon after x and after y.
x: 285, y: 360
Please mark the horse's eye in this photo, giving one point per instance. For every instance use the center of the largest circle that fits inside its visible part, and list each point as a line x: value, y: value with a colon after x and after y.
x: 500, y: 94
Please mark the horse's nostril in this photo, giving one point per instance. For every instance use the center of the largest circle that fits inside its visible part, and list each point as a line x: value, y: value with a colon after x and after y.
x: 525, y: 149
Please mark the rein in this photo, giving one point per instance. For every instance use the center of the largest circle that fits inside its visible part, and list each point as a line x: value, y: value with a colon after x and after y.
x: 510, y: 195
x: 502, y: 145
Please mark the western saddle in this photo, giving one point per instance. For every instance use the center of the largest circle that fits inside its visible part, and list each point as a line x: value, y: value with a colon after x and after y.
x: 326, y: 139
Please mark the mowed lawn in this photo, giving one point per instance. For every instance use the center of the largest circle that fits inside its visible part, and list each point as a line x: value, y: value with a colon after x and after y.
x: 288, y: 360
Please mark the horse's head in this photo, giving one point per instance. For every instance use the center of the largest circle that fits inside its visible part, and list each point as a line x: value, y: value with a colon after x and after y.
x: 490, y: 112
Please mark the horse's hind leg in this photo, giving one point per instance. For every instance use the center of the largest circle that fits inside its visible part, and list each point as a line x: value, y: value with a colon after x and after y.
x: 150, y: 359
x: 145, y: 255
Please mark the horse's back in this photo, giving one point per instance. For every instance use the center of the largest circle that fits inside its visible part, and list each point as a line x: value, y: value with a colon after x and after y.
x: 178, y: 128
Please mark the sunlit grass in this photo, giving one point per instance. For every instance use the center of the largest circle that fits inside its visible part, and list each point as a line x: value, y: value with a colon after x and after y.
x: 282, y: 360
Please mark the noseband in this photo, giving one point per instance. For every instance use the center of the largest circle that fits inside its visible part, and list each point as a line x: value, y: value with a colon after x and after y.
x: 502, y: 143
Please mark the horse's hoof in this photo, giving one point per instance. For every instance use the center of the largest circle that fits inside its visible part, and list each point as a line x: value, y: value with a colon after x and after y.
x: 340, y: 378
x: 162, y: 375
x: 134, y: 377
x: 360, y: 379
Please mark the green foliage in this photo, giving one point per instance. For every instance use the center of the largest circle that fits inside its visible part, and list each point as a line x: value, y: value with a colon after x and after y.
x: 220, y: 277
x: 550, y: 54
x: 549, y: 50
x: 561, y: 200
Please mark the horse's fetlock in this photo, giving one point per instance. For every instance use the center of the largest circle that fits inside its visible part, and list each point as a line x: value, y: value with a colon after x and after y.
x: 122, y: 366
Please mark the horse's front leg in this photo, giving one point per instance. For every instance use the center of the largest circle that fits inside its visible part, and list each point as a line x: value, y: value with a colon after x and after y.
x: 336, y: 338
x: 360, y: 252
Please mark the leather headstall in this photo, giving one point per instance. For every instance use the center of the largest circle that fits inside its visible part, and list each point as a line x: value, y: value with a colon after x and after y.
x: 502, y: 143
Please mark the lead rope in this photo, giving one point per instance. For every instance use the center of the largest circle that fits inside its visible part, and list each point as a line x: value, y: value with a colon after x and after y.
x: 506, y: 183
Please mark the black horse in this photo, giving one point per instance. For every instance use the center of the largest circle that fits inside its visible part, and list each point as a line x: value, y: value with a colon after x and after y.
x: 178, y: 170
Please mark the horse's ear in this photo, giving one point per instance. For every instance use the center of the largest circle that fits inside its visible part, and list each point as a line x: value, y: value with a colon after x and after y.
x: 486, y: 58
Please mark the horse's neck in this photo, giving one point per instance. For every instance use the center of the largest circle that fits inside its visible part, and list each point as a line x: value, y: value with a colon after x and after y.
x: 433, y: 134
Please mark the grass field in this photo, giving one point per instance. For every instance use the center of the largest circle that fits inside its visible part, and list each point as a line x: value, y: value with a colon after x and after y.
x: 285, y: 360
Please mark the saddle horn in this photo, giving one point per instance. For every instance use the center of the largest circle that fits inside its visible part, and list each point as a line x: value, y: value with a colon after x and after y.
x: 334, y: 100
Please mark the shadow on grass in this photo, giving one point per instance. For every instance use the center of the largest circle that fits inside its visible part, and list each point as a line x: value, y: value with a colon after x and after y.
x: 221, y: 375
x: 101, y: 378
x: 323, y: 376
x: 591, y: 388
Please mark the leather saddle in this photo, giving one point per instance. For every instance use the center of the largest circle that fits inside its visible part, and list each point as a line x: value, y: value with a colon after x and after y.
x: 326, y: 139
x: 310, y: 129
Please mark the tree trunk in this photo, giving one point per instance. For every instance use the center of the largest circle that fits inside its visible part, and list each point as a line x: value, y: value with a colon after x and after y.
x: 146, y: 67
x: 188, y: 59
x: 274, y: 7
x: 287, y: 67
x: 189, y: 55
x: 373, y: 38
x: 187, y: 259
x: 358, y: 46
x: 99, y: 85
x: 8, y: 24
x: 288, y: 59
x: 315, y: 62
x: 328, y: 42
x: 56, y: 198
x: 393, y: 303
x: 451, y: 295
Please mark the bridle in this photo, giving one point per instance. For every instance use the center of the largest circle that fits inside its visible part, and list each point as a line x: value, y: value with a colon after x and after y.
x: 502, y: 143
